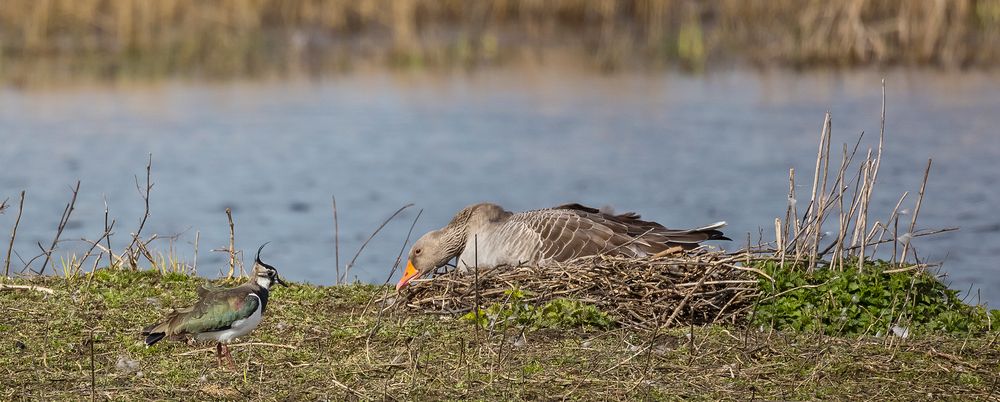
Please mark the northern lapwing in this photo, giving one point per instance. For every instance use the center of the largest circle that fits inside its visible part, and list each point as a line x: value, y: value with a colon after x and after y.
x: 486, y: 235
x: 221, y: 315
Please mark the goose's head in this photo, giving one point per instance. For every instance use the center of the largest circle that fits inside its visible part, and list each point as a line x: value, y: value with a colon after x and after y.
x: 429, y: 252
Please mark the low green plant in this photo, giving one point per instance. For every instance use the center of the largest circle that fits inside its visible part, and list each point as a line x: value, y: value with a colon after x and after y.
x: 532, y: 368
x: 557, y: 313
x: 869, y: 301
x: 167, y: 263
x: 69, y: 266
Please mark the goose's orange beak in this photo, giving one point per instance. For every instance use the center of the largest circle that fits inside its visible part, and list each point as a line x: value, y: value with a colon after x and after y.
x: 410, y: 274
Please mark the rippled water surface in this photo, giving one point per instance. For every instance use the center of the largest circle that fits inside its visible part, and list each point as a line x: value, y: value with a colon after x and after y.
x: 682, y: 150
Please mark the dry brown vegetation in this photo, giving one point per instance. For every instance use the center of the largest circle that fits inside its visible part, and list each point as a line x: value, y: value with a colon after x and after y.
x: 112, y: 39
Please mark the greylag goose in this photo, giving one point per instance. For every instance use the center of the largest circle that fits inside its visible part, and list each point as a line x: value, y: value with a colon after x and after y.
x: 486, y: 235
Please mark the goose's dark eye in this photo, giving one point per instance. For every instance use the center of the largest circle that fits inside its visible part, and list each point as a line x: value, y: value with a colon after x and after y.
x: 416, y: 252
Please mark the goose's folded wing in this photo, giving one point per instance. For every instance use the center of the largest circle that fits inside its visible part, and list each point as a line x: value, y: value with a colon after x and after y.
x: 631, y: 223
x: 565, y: 235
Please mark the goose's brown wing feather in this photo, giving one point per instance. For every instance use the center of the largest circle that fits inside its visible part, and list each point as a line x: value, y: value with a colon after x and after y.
x: 633, y: 223
x: 566, y: 235
x: 635, y: 226
x: 573, y: 230
x: 628, y: 218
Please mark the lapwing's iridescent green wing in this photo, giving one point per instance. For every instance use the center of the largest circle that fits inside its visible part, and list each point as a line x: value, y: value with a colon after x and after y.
x: 207, y: 289
x: 217, y: 311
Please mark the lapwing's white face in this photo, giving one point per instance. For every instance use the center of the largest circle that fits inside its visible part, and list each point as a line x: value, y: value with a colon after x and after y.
x: 266, y: 275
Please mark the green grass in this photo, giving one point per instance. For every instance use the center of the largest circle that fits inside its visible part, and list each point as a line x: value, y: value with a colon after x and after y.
x: 336, y: 349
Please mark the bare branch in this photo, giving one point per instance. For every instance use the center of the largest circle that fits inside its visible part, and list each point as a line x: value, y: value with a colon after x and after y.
x: 62, y: 225
x: 13, y: 234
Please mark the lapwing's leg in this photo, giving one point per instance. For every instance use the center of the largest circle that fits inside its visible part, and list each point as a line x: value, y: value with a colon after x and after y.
x: 232, y: 363
x: 218, y: 353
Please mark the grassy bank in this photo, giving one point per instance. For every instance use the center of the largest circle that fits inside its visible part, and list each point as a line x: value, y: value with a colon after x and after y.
x: 82, y: 340
x: 121, y: 39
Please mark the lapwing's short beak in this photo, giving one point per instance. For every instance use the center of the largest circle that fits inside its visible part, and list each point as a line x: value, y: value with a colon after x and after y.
x: 410, y: 274
x: 280, y: 282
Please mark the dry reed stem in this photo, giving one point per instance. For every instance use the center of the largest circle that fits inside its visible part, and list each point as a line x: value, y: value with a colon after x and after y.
x: 811, y: 209
x: 778, y: 238
x: 868, y: 196
x: 347, y: 269
x: 913, y: 236
x: 867, y: 190
x: 811, y: 220
x: 837, y: 260
x: 916, y: 210
x: 894, y: 219
x: 855, y: 237
x: 840, y: 188
x: 27, y: 287
x: 817, y: 206
x: 107, y: 233
x: 107, y: 226
x: 133, y: 258
x: 13, y: 234
x: 112, y: 256
x: 669, y: 251
x: 791, y: 216
x: 861, y: 223
x: 336, y: 242
x: 232, y: 244
x: 197, y: 238
x: 881, y: 135
x: 67, y: 212
x: 392, y: 272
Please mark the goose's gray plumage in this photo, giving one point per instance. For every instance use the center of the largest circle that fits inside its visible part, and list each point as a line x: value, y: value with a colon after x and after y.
x: 487, y: 235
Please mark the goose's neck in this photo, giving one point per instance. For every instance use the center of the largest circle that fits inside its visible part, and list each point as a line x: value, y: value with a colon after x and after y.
x: 468, y: 223
x: 454, y: 236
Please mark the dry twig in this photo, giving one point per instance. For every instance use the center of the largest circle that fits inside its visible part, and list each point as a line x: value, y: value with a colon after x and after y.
x: 13, y: 234
x: 27, y: 287
x: 62, y: 225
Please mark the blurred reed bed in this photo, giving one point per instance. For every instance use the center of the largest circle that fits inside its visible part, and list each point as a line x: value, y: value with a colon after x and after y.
x: 111, y: 39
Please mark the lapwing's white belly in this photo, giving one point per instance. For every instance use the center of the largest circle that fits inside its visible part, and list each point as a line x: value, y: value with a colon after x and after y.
x: 238, y: 329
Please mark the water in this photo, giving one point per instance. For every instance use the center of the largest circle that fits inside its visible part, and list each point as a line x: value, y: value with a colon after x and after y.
x: 681, y: 150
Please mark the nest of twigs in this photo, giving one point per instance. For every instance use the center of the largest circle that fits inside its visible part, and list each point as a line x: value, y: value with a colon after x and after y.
x: 637, y: 292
